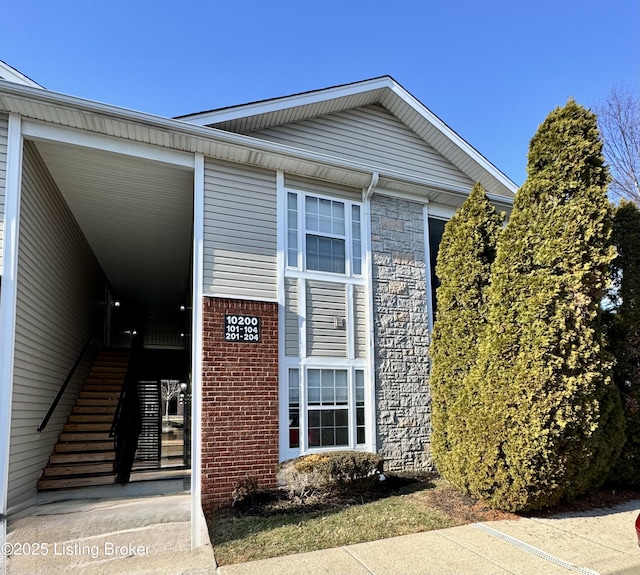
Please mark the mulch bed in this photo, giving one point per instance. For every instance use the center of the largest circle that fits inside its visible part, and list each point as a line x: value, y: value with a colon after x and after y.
x: 435, y: 494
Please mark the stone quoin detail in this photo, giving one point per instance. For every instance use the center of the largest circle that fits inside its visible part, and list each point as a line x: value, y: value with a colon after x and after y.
x: 403, y: 398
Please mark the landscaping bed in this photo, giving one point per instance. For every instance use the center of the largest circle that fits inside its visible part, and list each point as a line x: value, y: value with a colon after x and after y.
x: 271, y: 523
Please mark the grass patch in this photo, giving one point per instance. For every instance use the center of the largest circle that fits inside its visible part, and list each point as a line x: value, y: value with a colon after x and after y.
x: 269, y: 524
x: 280, y: 528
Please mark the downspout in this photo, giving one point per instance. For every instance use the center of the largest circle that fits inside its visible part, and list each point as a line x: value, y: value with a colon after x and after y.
x: 375, y: 178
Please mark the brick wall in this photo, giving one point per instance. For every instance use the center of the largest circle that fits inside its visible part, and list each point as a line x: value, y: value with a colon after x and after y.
x: 239, y: 402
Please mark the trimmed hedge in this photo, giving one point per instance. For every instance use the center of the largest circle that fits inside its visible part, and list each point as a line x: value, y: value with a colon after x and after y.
x: 331, y: 471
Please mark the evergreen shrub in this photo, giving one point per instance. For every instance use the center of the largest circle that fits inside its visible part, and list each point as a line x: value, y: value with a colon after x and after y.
x: 624, y: 337
x: 546, y: 423
x: 466, y: 252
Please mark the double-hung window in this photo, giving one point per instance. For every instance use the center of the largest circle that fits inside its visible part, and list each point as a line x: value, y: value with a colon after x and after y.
x: 325, y: 383
x: 330, y: 404
x: 328, y: 236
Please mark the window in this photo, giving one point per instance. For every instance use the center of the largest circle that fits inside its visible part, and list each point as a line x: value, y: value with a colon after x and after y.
x: 292, y: 230
x: 324, y: 394
x: 331, y: 234
x: 436, y: 229
x: 334, y: 410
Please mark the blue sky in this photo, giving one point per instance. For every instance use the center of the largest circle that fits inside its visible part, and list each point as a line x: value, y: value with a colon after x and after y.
x: 491, y: 70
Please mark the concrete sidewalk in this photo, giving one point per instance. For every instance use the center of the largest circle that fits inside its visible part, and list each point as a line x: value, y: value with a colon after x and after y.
x: 599, y: 542
x: 151, y: 535
x: 106, y: 536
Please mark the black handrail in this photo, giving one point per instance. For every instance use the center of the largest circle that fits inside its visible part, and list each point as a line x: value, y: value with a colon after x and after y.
x: 54, y: 404
x: 129, y: 375
x: 127, y: 422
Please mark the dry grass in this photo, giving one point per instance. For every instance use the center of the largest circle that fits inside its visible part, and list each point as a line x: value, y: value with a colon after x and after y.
x: 270, y: 525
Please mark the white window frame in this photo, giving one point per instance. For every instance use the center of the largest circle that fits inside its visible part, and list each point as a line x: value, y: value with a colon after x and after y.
x: 303, y: 366
x: 302, y: 362
x: 303, y: 232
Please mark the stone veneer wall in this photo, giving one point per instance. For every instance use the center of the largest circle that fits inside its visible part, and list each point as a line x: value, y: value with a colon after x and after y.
x: 403, y: 396
x: 239, y: 402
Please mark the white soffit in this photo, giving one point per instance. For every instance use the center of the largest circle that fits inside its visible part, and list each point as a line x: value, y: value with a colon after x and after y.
x: 136, y: 215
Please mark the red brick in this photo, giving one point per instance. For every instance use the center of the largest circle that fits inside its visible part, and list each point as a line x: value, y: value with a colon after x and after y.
x: 239, y: 406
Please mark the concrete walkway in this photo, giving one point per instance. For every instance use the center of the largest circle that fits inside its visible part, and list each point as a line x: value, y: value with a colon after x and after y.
x: 600, y: 542
x: 106, y: 536
x: 139, y: 535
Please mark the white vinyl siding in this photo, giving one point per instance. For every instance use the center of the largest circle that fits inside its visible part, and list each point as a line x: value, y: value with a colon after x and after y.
x: 60, y: 286
x: 291, y: 327
x: 4, y: 128
x: 359, y: 322
x: 370, y: 135
x: 326, y: 304
x: 240, y: 232
x: 322, y: 188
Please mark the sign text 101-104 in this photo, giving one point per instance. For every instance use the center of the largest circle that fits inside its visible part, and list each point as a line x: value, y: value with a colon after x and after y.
x: 242, y: 328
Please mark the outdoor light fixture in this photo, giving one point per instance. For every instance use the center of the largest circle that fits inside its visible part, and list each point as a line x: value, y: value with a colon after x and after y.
x: 184, y: 307
x: 116, y: 303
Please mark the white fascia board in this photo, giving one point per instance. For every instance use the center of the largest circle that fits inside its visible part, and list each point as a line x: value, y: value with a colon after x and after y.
x: 38, y: 131
x: 180, y: 127
x: 278, y: 104
x: 453, y: 136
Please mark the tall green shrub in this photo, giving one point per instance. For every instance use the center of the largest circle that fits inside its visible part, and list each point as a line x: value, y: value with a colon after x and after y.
x: 624, y: 337
x: 467, y: 250
x: 547, y: 421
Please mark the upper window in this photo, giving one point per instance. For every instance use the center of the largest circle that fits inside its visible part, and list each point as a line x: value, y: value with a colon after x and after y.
x: 330, y: 235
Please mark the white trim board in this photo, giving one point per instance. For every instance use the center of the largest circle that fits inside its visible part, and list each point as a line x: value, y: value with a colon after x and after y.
x: 57, y: 134
x: 196, y: 353
x: 8, y: 296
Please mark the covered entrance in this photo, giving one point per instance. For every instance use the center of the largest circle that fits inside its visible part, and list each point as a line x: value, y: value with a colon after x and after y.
x: 123, y: 414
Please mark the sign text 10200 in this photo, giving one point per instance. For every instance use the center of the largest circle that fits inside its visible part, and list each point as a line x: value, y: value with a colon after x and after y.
x: 242, y: 328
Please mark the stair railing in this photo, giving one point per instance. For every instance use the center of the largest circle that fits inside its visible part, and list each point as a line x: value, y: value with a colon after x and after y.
x: 65, y: 383
x: 127, y: 421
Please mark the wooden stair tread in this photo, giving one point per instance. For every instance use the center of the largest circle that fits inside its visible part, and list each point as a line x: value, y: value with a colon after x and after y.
x: 80, y: 447
x: 86, y: 426
x: 74, y: 469
x: 68, y: 482
x: 110, y: 409
x: 90, y: 418
x: 82, y: 457
x: 99, y: 395
x: 85, y: 436
x: 91, y: 401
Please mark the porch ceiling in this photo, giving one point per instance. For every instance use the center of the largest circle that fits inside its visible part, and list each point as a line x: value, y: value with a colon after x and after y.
x: 136, y: 215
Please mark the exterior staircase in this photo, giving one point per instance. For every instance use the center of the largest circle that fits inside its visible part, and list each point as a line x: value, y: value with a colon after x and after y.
x: 84, y: 454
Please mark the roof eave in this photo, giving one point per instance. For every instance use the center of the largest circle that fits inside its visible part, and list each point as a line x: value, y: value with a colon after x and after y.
x: 210, y: 141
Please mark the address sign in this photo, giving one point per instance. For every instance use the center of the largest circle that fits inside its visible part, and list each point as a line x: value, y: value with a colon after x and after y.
x: 242, y: 328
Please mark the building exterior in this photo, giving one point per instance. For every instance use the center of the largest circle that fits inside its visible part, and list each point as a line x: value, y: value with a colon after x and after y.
x: 278, y: 256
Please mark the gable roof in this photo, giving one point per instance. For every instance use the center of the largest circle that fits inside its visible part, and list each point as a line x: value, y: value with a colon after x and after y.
x: 12, y: 75
x: 251, y: 117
